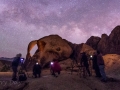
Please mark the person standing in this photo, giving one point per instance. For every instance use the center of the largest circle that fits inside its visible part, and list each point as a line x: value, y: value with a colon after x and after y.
x: 84, y: 62
x: 37, y: 70
x: 95, y: 65
x: 55, y: 67
x: 101, y: 66
x: 15, y: 64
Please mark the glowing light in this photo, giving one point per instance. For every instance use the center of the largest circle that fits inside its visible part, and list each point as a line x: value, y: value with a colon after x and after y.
x: 91, y: 56
x: 51, y: 63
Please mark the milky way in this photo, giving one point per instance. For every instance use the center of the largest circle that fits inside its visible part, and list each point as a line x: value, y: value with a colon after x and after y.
x: 22, y: 21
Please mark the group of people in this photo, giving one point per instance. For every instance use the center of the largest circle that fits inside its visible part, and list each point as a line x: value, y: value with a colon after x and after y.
x: 54, y: 68
x: 98, y: 65
x: 21, y: 75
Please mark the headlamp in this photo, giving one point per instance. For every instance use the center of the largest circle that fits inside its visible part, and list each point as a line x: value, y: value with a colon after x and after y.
x: 51, y: 63
x: 91, y: 56
x: 22, y: 60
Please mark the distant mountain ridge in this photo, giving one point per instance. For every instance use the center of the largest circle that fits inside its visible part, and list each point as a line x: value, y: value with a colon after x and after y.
x: 6, y: 59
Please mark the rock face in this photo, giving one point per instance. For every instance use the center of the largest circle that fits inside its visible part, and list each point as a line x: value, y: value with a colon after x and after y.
x: 112, y: 63
x: 80, y: 48
x: 103, y: 45
x: 49, y: 48
x: 106, y: 44
x: 54, y: 47
x: 93, y: 41
x: 114, y: 40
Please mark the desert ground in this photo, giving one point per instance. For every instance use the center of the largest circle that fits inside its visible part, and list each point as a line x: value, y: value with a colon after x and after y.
x: 66, y: 80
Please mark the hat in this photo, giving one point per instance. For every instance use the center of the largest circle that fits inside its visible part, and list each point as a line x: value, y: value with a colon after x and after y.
x: 19, y: 55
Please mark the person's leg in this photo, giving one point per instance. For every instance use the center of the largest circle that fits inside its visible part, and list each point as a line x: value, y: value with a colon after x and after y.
x: 54, y: 74
x: 102, y: 71
x: 39, y: 74
x: 51, y: 71
x: 35, y: 75
x: 14, y: 76
x: 88, y: 71
x: 97, y: 71
x: 58, y: 72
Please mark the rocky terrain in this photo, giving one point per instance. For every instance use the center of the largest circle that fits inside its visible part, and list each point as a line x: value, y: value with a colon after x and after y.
x: 5, y: 65
x: 106, y: 44
x: 112, y: 62
x: 66, y: 80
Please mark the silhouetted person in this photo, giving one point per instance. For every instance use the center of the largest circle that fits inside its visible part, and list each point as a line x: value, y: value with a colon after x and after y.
x: 15, y: 64
x: 37, y: 70
x: 95, y: 65
x: 55, y: 67
x: 101, y: 65
x: 84, y: 62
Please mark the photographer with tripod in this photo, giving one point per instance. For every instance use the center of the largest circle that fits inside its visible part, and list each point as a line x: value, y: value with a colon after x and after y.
x: 84, y: 62
x: 15, y: 64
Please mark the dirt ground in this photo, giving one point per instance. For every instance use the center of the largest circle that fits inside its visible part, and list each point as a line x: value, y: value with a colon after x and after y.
x: 65, y: 81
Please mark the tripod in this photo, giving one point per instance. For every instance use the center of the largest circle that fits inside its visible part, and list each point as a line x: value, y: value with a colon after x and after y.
x: 74, y: 64
x: 81, y: 69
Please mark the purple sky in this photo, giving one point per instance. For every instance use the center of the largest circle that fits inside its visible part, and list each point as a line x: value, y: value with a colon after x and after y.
x: 22, y: 21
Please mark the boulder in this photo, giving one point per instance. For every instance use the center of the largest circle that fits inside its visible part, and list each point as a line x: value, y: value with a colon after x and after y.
x: 103, y: 44
x: 49, y: 48
x: 112, y: 63
x: 106, y: 44
x: 93, y: 41
x: 80, y: 48
x: 114, y: 41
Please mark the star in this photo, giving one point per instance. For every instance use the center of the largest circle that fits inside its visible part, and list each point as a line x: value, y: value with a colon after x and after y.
x: 22, y: 21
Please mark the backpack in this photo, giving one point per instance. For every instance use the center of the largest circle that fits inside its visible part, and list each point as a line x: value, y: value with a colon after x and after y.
x: 22, y: 77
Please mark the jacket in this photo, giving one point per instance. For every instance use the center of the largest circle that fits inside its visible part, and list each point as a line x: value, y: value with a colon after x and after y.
x: 100, y: 60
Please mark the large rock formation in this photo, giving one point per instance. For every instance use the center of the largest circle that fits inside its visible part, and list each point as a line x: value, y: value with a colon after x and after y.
x: 103, y: 44
x: 112, y: 63
x: 54, y: 47
x: 114, y: 41
x: 106, y: 44
x: 78, y: 49
x: 93, y: 41
x: 49, y: 48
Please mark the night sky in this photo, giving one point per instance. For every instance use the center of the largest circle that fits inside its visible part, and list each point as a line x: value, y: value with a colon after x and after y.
x: 22, y: 21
